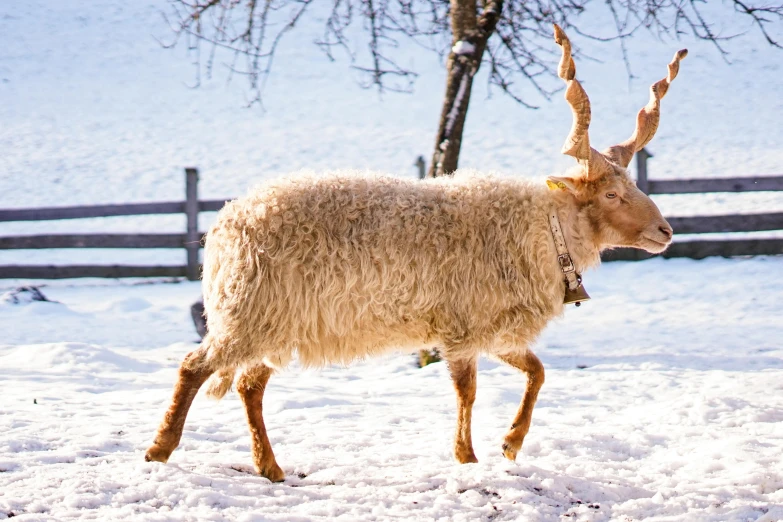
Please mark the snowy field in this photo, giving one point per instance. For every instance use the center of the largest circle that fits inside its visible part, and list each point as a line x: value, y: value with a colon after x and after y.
x: 663, y: 401
x: 664, y: 395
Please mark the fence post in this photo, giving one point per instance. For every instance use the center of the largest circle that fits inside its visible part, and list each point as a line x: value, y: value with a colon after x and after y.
x: 192, y: 239
x: 421, y: 164
x: 641, y: 170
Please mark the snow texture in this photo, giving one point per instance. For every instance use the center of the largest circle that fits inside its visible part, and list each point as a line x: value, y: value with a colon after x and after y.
x: 663, y: 401
x: 664, y: 394
x: 459, y: 100
x: 463, y: 47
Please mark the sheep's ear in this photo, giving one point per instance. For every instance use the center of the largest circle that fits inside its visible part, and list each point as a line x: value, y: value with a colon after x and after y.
x: 561, y: 183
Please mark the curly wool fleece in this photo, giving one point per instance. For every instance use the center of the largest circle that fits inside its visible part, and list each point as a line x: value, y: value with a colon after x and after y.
x: 345, y: 265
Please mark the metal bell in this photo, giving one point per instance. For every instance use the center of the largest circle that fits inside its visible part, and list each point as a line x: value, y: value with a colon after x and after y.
x: 575, y: 296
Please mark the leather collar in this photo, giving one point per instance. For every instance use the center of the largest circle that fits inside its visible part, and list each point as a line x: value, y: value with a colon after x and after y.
x: 574, y: 292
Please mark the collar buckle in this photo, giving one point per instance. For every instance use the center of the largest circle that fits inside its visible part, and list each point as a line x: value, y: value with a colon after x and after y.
x: 566, y: 264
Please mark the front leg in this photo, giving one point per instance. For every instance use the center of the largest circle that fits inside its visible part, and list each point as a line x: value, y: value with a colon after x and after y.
x: 529, y: 364
x: 463, y: 374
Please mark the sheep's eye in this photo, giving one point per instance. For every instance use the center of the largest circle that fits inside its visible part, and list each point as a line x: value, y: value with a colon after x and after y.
x: 611, y: 195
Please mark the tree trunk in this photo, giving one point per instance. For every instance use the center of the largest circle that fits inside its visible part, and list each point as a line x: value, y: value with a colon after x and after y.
x: 469, y: 40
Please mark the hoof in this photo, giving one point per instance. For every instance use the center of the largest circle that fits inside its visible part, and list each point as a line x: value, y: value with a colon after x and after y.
x: 510, y: 452
x: 157, y: 454
x: 465, y: 457
x: 274, y: 473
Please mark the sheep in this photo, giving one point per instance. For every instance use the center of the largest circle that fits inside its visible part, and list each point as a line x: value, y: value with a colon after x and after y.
x: 341, y: 266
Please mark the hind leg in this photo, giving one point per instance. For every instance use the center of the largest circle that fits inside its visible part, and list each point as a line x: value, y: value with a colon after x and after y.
x: 192, y: 375
x: 251, y: 386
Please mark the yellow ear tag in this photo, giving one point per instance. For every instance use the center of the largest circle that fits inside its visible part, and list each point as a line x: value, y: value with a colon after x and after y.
x: 555, y: 185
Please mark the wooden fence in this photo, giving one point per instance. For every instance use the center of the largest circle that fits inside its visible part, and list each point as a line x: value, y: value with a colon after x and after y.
x: 191, y: 240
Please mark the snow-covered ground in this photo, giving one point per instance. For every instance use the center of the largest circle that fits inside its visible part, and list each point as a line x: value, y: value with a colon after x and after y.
x: 664, y: 395
x: 663, y: 401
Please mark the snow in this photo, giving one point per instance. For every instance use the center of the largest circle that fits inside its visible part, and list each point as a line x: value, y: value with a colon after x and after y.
x: 459, y: 99
x: 664, y: 394
x: 463, y: 47
x: 663, y: 401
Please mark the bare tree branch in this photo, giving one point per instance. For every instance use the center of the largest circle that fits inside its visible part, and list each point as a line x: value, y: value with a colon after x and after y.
x: 757, y: 14
x: 519, y: 57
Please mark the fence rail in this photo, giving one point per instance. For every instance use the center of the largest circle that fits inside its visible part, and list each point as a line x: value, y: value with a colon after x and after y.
x: 192, y: 239
x: 693, y: 186
x: 73, y: 271
x: 97, y: 211
x: 94, y: 241
x: 701, y: 249
x: 683, y: 225
x: 730, y: 223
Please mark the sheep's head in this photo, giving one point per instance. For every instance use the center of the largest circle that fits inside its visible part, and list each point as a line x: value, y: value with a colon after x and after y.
x: 620, y: 213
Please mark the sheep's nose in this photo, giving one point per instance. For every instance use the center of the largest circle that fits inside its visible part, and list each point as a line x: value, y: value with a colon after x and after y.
x: 666, y: 230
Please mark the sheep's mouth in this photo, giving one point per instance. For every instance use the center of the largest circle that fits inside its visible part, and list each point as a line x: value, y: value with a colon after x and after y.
x: 654, y: 246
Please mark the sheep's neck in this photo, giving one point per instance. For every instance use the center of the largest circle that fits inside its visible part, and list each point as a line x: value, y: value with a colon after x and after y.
x: 578, y: 232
